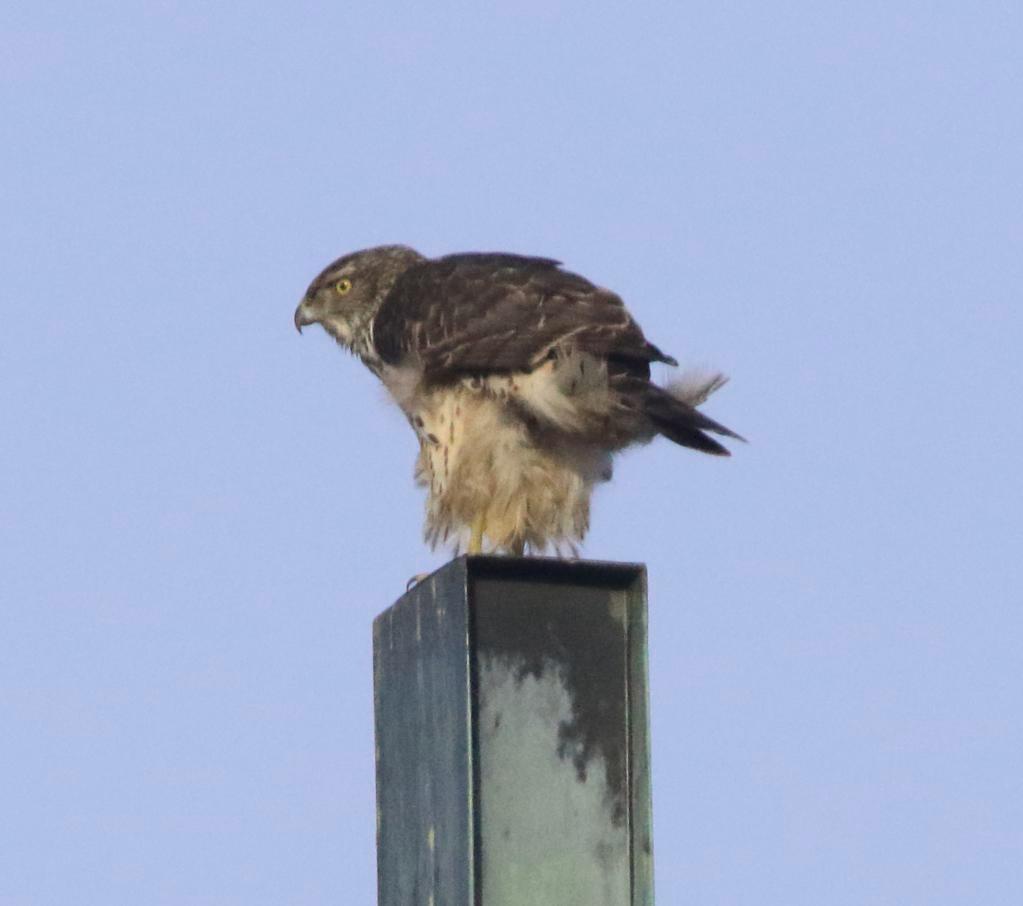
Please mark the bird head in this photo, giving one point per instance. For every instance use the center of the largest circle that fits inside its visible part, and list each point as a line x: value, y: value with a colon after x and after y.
x: 346, y: 295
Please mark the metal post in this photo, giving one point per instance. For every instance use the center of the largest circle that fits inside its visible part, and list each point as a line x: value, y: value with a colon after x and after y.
x: 512, y: 737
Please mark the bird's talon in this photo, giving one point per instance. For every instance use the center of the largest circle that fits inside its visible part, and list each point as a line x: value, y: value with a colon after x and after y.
x: 415, y: 580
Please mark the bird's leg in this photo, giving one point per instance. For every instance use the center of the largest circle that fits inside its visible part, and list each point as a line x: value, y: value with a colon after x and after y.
x: 476, y: 534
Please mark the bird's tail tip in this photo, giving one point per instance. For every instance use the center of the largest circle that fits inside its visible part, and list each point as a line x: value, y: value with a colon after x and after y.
x: 673, y: 409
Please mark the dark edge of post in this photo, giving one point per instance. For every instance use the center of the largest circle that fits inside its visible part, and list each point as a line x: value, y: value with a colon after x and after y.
x: 472, y: 708
x: 641, y: 811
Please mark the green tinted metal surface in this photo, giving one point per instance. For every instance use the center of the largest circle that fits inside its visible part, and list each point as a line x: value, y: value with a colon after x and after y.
x: 513, y: 761
x: 425, y: 834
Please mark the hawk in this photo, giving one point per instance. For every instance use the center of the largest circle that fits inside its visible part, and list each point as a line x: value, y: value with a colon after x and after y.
x: 520, y: 379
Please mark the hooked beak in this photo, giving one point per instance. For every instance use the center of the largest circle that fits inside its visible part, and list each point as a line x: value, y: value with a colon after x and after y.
x: 302, y: 316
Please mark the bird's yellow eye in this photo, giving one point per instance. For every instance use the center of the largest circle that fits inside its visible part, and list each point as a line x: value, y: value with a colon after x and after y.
x: 343, y: 285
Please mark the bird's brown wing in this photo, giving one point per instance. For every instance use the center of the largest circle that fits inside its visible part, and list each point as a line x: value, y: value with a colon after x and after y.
x: 482, y: 313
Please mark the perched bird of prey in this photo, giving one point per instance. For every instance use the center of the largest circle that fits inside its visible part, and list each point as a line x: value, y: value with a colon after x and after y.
x: 520, y: 379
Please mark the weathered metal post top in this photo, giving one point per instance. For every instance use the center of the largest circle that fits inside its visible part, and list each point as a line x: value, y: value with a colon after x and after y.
x: 512, y: 737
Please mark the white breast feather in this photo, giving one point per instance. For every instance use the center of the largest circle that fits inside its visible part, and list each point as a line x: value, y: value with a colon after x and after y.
x: 565, y: 392
x: 477, y: 455
x: 404, y: 383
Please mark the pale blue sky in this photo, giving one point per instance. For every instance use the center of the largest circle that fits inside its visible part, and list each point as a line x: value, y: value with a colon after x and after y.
x: 201, y: 511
